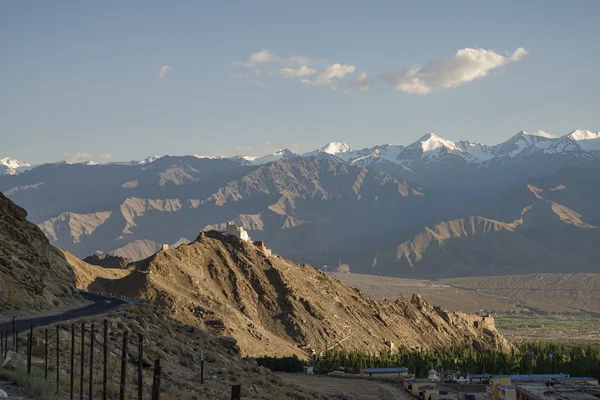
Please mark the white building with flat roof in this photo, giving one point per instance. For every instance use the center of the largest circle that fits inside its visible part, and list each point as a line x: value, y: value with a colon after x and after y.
x: 237, y: 231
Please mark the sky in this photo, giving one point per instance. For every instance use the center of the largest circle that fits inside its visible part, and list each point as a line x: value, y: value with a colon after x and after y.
x: 114, y: 80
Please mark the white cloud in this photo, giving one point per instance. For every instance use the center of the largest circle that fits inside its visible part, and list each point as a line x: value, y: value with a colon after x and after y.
x: 164, y: 70
x: 545, y: 134
x: 363, y: 82
x: 86, y: 156
x: 297, y: 72
x: 466, y: 65
x: 83, y: 156
x: 325, y: 76
x: 258, y: 58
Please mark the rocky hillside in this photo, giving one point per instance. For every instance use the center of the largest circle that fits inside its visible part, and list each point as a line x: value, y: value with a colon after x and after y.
x: 274, y: 306
x: 34, y: 275
x: 94, y: 278
x: 107, y: 261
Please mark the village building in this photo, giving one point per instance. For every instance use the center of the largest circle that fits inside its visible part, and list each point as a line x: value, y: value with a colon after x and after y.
x: 262, y: 247
x: 561, y: 390
x: 396, y: 372
x: 454, y: 377
x: 408, y: 383
x: 479, y: 378
x: 416, y: 387
x: 542, y: 387
x: 426, y: 392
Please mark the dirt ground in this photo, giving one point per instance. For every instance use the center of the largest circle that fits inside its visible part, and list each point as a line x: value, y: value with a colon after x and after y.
x: 356, y: 388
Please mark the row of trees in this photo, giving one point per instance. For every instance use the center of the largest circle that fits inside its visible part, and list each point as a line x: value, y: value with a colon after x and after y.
x: 529, y: 358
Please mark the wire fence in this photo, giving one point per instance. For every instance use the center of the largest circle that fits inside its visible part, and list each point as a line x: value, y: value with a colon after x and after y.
x: 88, y: 361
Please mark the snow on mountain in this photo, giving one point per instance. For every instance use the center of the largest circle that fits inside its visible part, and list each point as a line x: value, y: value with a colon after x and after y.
x: 149, y: 159
x: 522, y: 144
x: 386, y: 152
x: 431, y: 145
x: 587, y: 140
x: 434, y: 150
x: 430, y: 150
x: 259, y: 160
x: 583, y: 135
x: 480, y: 152
x: 8, y: 166
x: 338, y: 150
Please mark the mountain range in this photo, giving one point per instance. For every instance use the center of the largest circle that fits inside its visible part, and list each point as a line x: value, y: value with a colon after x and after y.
x: 434, y: 208
x: 431, y: 150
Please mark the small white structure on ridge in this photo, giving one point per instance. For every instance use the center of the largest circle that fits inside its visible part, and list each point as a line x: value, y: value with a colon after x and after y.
x: 237, y: 231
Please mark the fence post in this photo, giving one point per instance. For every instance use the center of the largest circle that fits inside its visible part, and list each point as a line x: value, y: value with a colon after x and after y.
x: 57, y: 359
x: 72, y: 361
x: 17, y: 343
x: 202, y: 368
x: 82, y: 369
x: 46, y: 354
x: 29, y: 347
x: 91, y: 384
x: 2, y: 342
x: 123, y: 366
x: 156, y: 380
x: 140, y: 365
x: 236, y: 392
x: 105, y: 361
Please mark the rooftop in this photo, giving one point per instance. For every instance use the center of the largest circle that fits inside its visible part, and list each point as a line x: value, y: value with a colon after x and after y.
x: 562, y: 392
x: 430, y: 387
x: 537, y: 377
x: 385, y: 370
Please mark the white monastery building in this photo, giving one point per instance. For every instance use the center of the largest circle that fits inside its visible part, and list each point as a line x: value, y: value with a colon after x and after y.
x: 237, y: 231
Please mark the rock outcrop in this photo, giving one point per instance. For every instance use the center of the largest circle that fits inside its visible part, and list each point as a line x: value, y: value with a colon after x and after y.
x: 273, y: 306
x: 107, y: 261
x: 34, y: 275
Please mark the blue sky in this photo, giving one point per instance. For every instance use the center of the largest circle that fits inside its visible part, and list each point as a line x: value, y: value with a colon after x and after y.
x: 80, y: 80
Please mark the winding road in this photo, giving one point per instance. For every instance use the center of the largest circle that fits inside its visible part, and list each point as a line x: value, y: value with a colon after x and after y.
x: 101, y: 304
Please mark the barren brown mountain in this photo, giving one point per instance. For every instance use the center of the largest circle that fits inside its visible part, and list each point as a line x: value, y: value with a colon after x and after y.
x: 274, y: 306
x: 34, y: 275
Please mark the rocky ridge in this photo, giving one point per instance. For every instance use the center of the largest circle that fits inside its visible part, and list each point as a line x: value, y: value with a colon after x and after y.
x: 34, y: 275
x: 274, y: 306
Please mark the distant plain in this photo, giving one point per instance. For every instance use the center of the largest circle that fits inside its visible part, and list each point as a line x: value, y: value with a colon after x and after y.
x: 554, y: 307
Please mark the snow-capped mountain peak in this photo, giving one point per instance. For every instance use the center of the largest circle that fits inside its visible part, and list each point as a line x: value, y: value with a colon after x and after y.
x: 587, y: 140
x: 432, y: 143
x: 149, y: 159
x: 336, y: 148
x: 259, y: 160
x: 580, y: 134
x: 8, y: 166
x: 336, y: 151
x: 10, y: 163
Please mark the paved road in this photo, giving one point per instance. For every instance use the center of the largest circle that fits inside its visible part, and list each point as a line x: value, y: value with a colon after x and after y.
x: 101, y: 305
